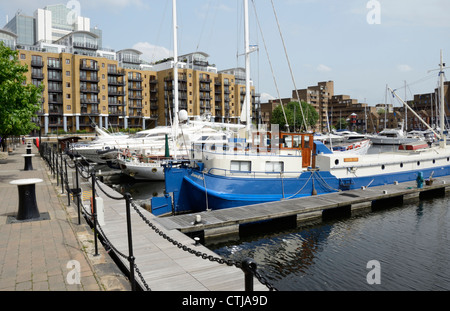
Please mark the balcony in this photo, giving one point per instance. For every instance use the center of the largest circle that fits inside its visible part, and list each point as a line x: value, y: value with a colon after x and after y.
x: 135, y: 88
x: 55, y: 111
x: 116, y: 83
x: 116, y: 93
x: 37, y: 75
x: 89, y: 79
x: 85, y: 45
x: 89, y: 90
x: 135, y: 96
x: 37, y: 63
x: 89, y: 67
x: 89, y: 100
x: 85, y: 111
x: 135, y: 79
x: 120, y: 72
x: 55, y: 89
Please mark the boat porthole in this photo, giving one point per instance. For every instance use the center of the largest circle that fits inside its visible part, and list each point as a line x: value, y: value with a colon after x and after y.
x: 154, y: 170
x: 401, y: 164
x: 336, y: 162
x: 382, y: 167
x: 434, y: 161
x: 418, y: 163
x: 448, y: 159
x: 155, y: 194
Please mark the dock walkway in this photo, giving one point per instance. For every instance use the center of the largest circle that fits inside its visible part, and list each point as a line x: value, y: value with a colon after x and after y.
x: 163, y: 265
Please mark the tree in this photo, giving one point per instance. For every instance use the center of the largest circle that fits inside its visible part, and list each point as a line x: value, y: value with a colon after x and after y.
x: 294, y: 116
x: 19, y: 101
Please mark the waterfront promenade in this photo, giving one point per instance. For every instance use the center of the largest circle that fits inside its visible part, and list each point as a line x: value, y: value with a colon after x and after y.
x: 43, y: 255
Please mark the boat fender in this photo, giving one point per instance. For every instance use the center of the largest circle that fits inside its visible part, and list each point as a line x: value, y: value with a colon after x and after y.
x: 420, y: 180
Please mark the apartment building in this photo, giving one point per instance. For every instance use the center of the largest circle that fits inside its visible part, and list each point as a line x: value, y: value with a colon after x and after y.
x: 319, y: 97
x: 85, y: 84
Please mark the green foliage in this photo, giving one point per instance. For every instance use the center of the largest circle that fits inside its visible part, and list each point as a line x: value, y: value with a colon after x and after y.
x: 19, y: 101
x: 294, y: 116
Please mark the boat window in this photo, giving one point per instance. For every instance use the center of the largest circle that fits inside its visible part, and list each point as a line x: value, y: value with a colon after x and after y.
x: 272, y: 167
x: 242, y: 166
x: 306, y: 141
x: 288, y: 141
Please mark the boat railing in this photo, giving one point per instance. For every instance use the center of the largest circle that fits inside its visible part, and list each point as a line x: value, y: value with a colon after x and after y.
x: 251, y: 174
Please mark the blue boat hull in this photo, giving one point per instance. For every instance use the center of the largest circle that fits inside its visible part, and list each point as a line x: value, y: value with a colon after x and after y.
x: 189, y: 195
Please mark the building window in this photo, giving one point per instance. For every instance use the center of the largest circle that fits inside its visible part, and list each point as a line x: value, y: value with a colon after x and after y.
x: 67, y: 73
x: 67, y: 84
x: 23, y: 56
x: 69, y: 107
x: 67, y: 61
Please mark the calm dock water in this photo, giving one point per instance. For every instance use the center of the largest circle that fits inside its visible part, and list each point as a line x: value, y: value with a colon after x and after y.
x: 410, y: 242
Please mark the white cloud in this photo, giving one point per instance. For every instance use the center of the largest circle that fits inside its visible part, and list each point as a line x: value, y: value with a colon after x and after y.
x: 323, y: 68
x: 152, y: 52
x: 404, y: 68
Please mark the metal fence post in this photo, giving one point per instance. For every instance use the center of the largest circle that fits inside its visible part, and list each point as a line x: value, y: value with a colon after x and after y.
x: 57, y: 169
x: 78, y: 190
x: 249, y: 268
x: 62, y: 175
x: 131, y: 258
x: 94, y: 211
x: 66, y: 182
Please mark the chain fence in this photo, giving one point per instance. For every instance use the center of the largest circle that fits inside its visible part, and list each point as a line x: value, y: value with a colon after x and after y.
x: 49, y: 157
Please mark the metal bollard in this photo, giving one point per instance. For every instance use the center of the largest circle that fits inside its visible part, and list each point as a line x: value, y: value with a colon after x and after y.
x: 249, y: 268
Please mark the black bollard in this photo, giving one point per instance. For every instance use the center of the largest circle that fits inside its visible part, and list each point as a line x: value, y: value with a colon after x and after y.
x: 28, y: 208
x: 28, y: 163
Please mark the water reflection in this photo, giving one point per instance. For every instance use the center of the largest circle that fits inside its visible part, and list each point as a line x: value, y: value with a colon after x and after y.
x: 410, y: 242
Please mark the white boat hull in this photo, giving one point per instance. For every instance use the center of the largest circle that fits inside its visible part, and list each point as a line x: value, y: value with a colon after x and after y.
x: 142, y: 171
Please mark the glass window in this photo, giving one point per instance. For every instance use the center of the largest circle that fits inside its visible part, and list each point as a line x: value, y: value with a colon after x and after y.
x: 274, y: 166
x: 242, y: 166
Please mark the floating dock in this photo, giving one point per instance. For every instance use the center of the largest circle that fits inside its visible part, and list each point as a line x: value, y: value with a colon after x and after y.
x: 215, y: 223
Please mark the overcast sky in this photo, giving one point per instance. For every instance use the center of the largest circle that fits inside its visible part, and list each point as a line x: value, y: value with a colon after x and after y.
x: 346, y: 41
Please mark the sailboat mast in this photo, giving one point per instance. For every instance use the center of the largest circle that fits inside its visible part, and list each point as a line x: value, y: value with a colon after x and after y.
x: 442, y: 107
x: 175, y: 71
x: 247, y: 67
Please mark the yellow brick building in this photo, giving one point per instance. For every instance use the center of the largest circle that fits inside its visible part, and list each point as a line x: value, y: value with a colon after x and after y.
x: 81, y: 90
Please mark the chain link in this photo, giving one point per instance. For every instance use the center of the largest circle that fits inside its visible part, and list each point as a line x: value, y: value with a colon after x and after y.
x: 220, y: 260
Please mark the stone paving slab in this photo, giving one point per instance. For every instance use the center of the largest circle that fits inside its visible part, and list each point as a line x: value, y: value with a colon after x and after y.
x: 45, y: 255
